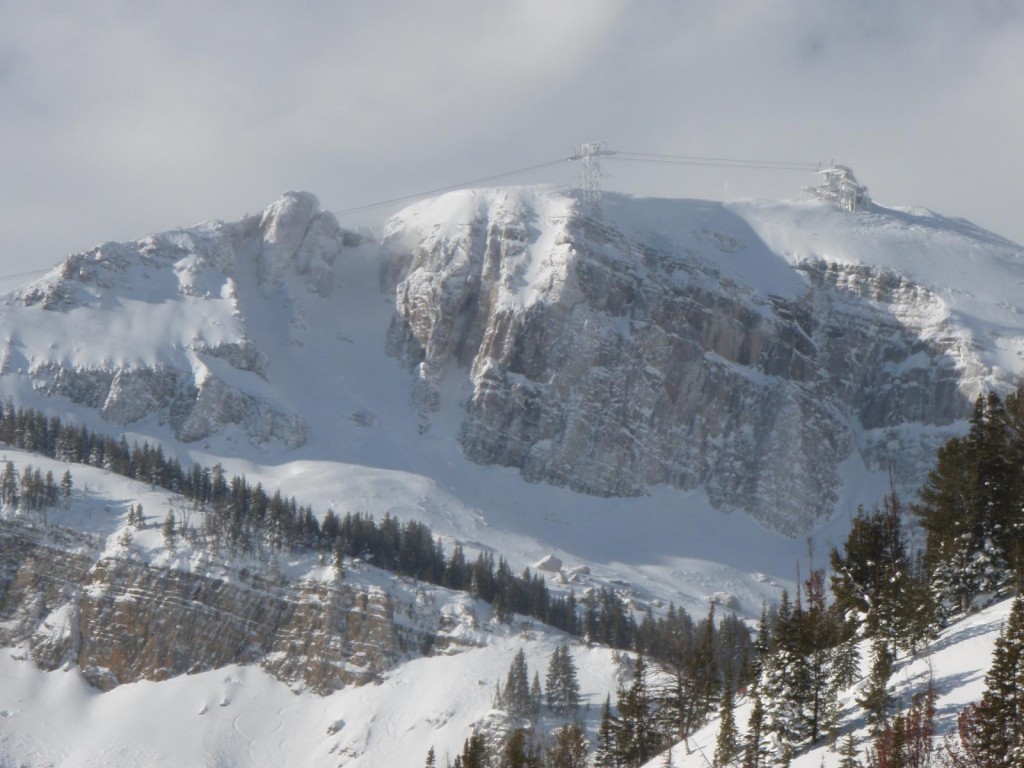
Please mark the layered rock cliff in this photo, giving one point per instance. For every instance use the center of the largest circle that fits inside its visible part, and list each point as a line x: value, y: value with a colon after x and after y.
x: 120, y: 619
x: 645, y: 342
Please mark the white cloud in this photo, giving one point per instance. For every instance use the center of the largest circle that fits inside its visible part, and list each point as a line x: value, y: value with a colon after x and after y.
x: 121, y: 118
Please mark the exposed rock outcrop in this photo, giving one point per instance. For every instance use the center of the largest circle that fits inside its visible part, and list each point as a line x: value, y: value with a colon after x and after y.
x: 608, y: 357
x: 192, y: 291
x: 121, y: 620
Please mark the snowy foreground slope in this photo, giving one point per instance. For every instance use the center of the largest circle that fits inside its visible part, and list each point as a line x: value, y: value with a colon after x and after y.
x: 242, y: 716
x: 956, y: 661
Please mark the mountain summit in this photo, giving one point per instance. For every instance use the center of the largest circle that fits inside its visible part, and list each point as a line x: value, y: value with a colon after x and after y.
x: 752, y: 349
x: 768, y: 353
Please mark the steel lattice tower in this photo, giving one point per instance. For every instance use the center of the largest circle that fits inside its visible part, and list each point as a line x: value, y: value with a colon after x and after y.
x: 591, y: 154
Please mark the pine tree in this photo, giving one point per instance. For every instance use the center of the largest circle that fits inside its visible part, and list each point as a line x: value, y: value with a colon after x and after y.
x: 568, y: 748
x: 675, y: 647
x: 877, y: 697
x: 124, y: 539
x: 474, y: 752
x: 515, y: 697
x: 727, y: 747
x: 636, y: 739
x: 819, y: 632
x: 756, y: 749
x: 536, y: 697
x: 970, y: 507
x: 1001, y: 711
x: 561, y: 682
x: 169, y: 532
x: 848, y: 753
x: 518, y: 752
x: 9, y: 482
x: 920, y: 616
x: 703, y: 672
x: 846, y: 661
x: 431, y: 761
x: 870, y: 577
x: 784, y: 686
x: 605, y: 752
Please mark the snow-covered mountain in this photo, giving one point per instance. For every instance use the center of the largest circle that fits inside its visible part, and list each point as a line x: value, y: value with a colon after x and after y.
x: 770, y: 355
x: 751, y: 349
x: 659, y: 393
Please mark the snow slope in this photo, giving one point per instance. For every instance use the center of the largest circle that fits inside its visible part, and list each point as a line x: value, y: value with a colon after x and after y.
x: 956, y: 661
x: 364, y: 451
x: 317, y: 320
x: 241, y: 716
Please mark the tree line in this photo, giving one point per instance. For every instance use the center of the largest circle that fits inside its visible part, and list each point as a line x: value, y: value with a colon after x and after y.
x: 231, y: 512
x: 971, y: 509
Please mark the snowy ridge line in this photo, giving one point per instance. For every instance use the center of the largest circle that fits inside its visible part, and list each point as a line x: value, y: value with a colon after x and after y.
x: 648, y: 157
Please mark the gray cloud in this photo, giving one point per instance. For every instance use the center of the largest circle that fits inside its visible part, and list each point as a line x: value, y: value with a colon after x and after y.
x: 124, y: 118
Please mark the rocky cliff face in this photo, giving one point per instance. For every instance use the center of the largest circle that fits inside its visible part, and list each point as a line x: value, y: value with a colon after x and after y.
x: 750, y: 350
x: 164, y: 327
x: 612, y: 350
x: 121, y: 620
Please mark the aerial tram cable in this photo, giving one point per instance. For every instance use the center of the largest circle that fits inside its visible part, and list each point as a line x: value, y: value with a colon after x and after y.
x: 644, y: 157
x: 627, y: 156
x: 29, y: 273
x: 721, y: 162
x: 449, y: 188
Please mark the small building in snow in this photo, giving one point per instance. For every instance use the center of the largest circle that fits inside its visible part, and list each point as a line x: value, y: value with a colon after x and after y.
x: 839, y: 187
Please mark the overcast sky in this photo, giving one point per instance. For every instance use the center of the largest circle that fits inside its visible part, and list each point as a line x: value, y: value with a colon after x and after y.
x: 123, y: 118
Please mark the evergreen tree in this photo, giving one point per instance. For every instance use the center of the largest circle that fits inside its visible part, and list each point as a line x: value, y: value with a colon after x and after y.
x: 605, y: 752
x: 819, y: 632
x: 756, y: 748
x: 703, y: 672
x: 877, y: 698
x: 846, y: 661
x: 784, y: 686
x: 674, y: 650
x: 168, y: 531
x: 474, y: 753
x: 518, y: 751
x: 636, y: 739
x: 515, y: 697
x: 1001, y: 711
x: 568, y: 748
x: 431, y: 761
x: 920, y: 615
x: 561, y: 683
x: 848, y: 753
x: 727, y: 748
x: 9, y: 482
x: 870, y: 577
x: 762, y: 647
x: 536, y: 697
x: 66, y: 484
x: 970, y: 506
